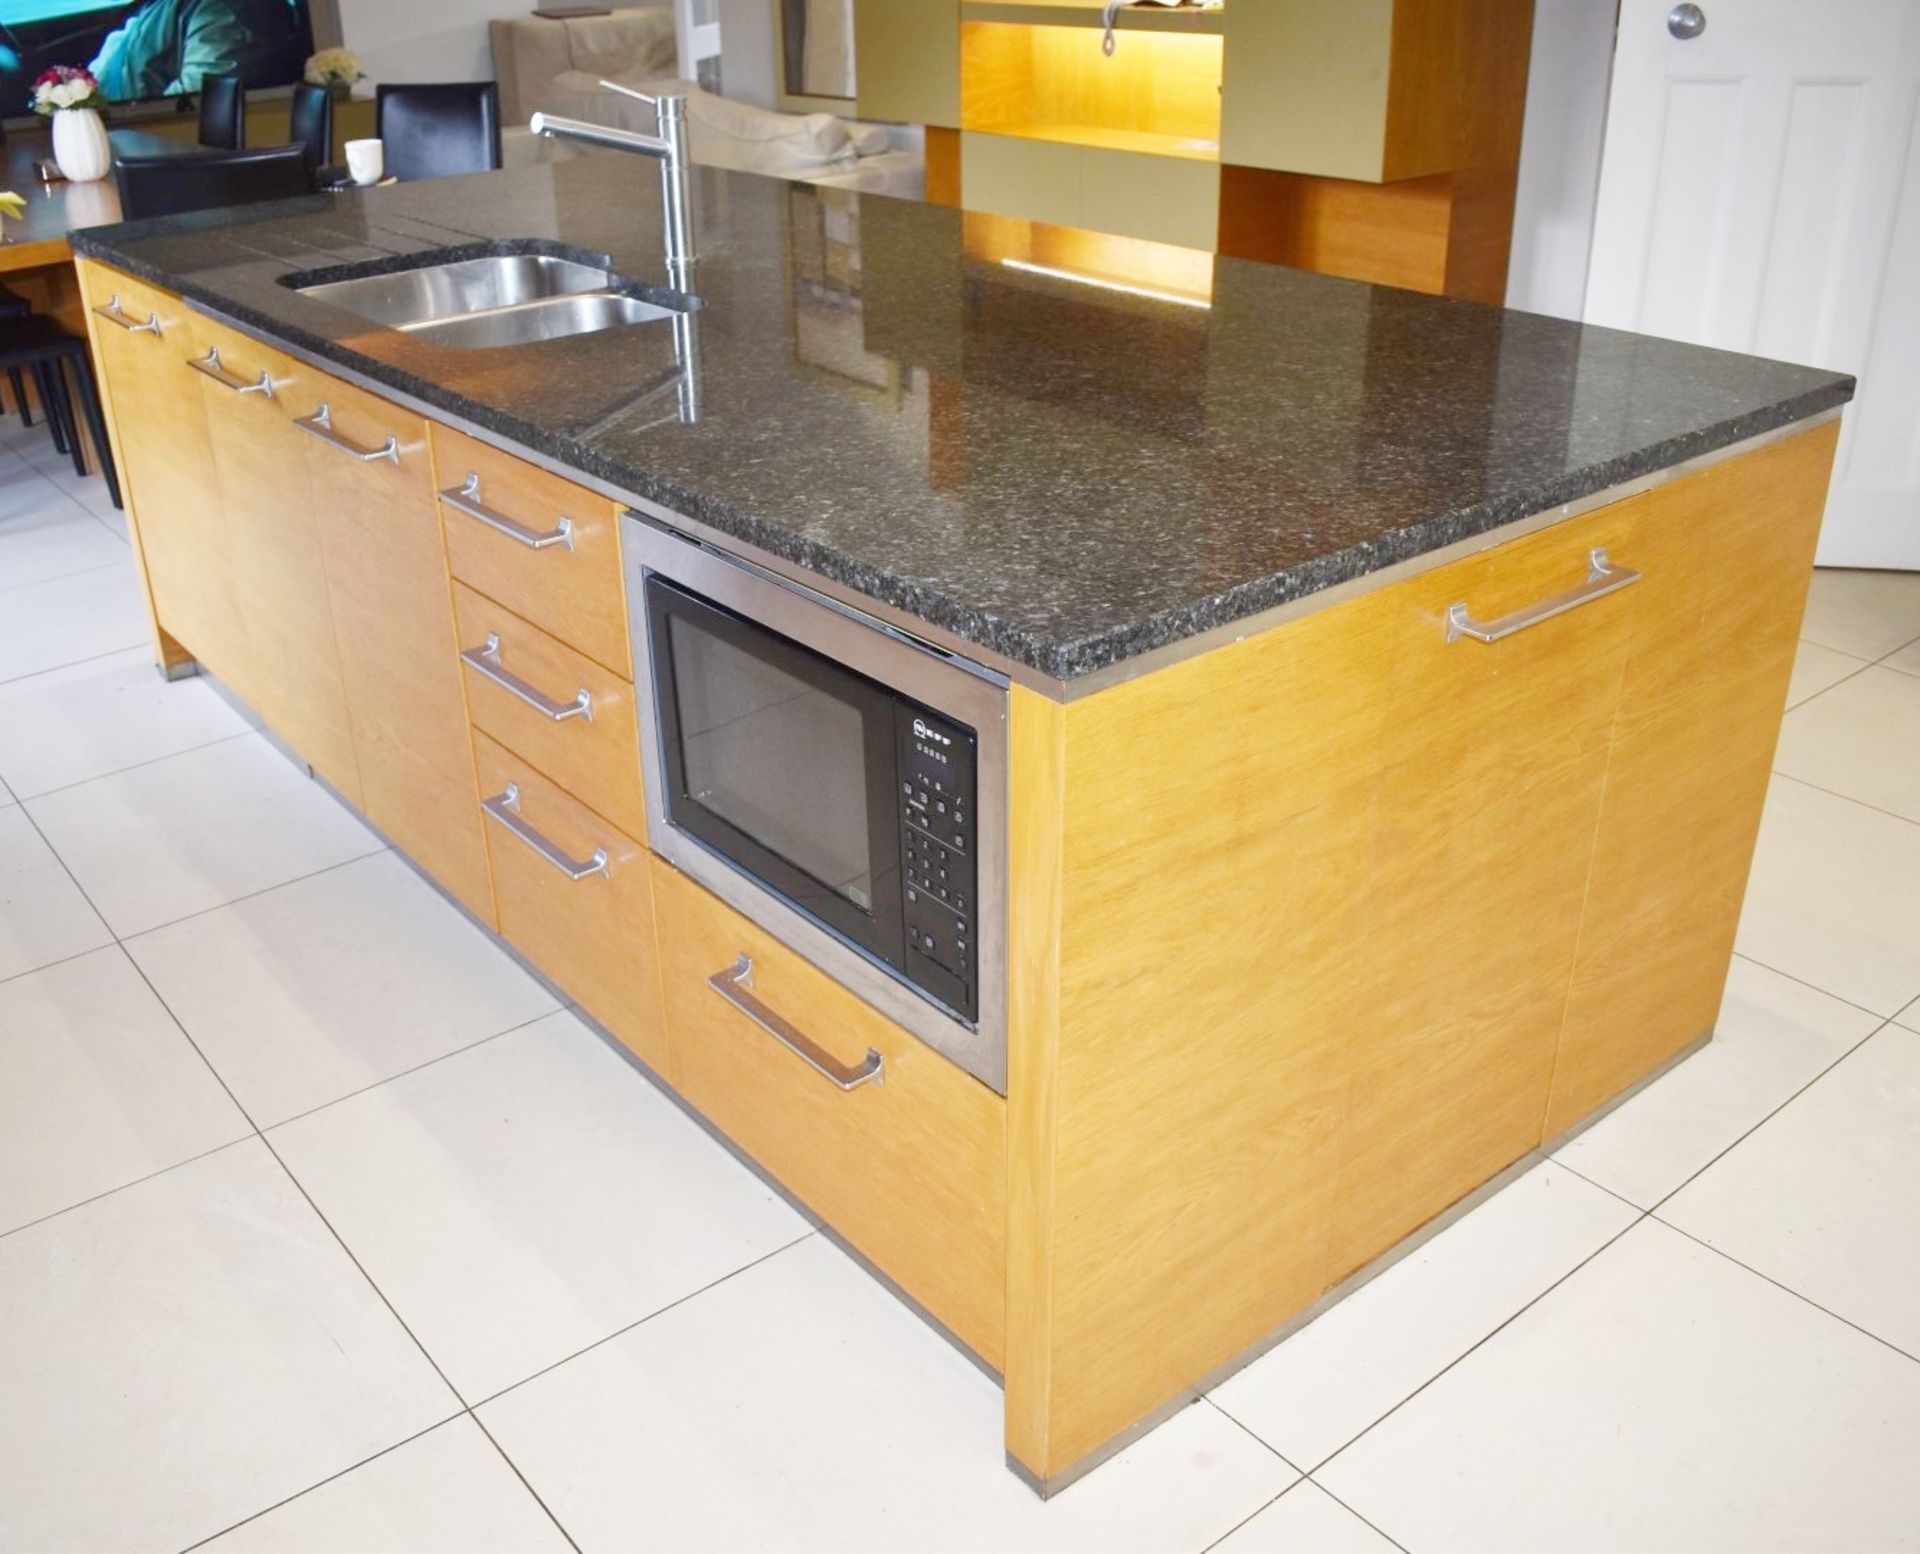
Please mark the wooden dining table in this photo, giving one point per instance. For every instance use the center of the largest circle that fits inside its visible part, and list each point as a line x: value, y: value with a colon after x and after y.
x: 56, y: 209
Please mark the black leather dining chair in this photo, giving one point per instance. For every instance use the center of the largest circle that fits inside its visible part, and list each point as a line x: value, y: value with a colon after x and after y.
x: 208, y: 180
x: 311, y: 122
x: 223, y: 112
x: 438, y: 129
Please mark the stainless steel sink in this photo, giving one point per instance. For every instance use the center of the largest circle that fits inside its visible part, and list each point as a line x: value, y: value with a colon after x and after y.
x: 499, y: 299
x: 551, y: 318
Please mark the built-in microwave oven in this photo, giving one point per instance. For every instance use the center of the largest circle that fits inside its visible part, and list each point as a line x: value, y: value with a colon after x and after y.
x: 839, y: 780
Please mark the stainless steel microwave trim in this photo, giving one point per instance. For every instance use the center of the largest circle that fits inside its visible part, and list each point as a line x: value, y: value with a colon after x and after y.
x: 902, y: 661
x: 1012, y: 669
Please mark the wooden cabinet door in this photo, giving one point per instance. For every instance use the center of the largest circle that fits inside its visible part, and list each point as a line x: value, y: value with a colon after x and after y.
x: 386, y: 568
x: 277, y: 572
x: 1727, y: 555
x: 141, y: 339
x: 1489, y: 797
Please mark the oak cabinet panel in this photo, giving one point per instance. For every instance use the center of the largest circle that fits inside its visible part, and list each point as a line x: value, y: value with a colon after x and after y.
x: 588, y: 928
x: 910, y: 1169
x: 386, y: 570
x: 141, y: 338
x: 278, y: 573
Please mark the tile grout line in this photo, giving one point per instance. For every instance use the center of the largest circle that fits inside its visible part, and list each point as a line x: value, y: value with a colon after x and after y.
x: 1835, y: 793
x: 133, y: 766
x: 1787, y: 1289
x: 1838, y: 998
x: 257, y: 1133
x: 659, y: 1311
x: 320, y: 1484
x: 1667, y: 1197
x: 420, y: 1067
x: 75, y: 663
x: 446, y: 1381
x: 1640, y: 1216
x: 1310, y: 1479
x: 62, y: 577
x: 1259, y: 1510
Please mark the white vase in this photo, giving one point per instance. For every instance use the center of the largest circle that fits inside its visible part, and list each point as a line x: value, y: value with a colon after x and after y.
x: 80, y: 145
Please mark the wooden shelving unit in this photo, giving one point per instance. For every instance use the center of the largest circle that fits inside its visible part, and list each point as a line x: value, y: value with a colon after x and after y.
x: 1377, y: 140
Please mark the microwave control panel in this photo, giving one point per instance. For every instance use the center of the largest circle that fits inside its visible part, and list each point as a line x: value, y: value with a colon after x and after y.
x: 937, y: 852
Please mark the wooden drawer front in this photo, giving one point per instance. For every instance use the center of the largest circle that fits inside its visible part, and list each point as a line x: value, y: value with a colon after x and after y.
x: 594, y: 757
x: 592, y: 935
x: 910, y: 1169
x: 573, y: 588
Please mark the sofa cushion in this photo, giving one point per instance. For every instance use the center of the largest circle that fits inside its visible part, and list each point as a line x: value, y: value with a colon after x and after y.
x: 623, y: 44
x: 722, y: 133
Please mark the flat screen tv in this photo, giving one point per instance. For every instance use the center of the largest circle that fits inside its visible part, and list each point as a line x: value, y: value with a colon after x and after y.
x: 144, y: 49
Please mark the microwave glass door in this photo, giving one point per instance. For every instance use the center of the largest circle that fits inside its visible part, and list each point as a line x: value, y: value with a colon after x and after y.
x: 782, y: 761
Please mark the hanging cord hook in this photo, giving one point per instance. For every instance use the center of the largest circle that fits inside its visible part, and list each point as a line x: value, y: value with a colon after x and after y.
x: 1109, y: 18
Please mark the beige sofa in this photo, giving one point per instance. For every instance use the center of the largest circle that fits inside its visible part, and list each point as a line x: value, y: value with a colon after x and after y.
x: 530, y: 51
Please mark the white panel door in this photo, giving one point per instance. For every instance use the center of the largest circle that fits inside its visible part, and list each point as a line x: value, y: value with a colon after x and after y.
x: 1760, y: 191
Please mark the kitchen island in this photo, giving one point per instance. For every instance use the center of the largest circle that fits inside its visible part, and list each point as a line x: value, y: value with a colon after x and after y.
x: 1386, y: 689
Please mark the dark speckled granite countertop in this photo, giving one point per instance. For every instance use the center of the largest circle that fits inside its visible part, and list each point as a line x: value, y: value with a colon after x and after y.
x: 1064, y: 475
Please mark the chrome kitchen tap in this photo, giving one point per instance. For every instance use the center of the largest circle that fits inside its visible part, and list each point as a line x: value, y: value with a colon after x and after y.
x: 669, y: 146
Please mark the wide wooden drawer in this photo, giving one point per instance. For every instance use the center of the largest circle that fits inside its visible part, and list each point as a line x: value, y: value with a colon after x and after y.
x: 569, y: 716
x: 575, y: 898
x: 908, y: 1166
x: 546, y: 549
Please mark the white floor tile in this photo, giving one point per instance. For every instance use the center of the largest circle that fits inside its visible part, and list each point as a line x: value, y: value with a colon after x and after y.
x: 113, y: 520
x: 1861, y: 739
x: 1663, y: 1400
x: 1305, y: 1520
x: 6, y: 796
x: 66, y: 619
x: 98, y: 1087
x: 1354, y: 1363
x: 449, y: 1492
x: 1825, y: 1197
x: 800, y: 1406
x: 1834, y: 897
x: 195, y: 1348
x: 1907, y: 660
x: 304, y: 994
x: 43, y: 915
x: 1815, y: 668
x: 197, y: 830
x: 84, y: 721
x: 54, y: 538
x: 1774, y: 1035
x: 1867, y: 614
x: 528, y: 1197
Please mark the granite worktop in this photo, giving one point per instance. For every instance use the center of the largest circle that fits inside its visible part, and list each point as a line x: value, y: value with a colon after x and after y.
x: 1063, y: 474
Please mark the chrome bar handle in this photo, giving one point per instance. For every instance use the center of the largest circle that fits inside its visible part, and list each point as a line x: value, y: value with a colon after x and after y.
x: 485, y: 660
x: 733, y: 984
x: 505, y: 808
x: 320, y: 424
x: 113, y: 313
x: 465, y: 500
x: 1603, y: 578
x: 210, y: 365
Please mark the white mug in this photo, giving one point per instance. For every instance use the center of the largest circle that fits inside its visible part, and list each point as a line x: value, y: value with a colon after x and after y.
x: 366, y: 161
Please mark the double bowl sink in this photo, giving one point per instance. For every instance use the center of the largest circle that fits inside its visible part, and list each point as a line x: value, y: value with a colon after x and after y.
x: 495, y: 300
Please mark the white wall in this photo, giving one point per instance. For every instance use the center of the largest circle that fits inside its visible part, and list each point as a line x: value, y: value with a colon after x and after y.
x: 424, y: 40
x: 1560, y: 154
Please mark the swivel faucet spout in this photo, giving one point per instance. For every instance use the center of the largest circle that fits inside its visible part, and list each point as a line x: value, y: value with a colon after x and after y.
x: 669, y: 146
